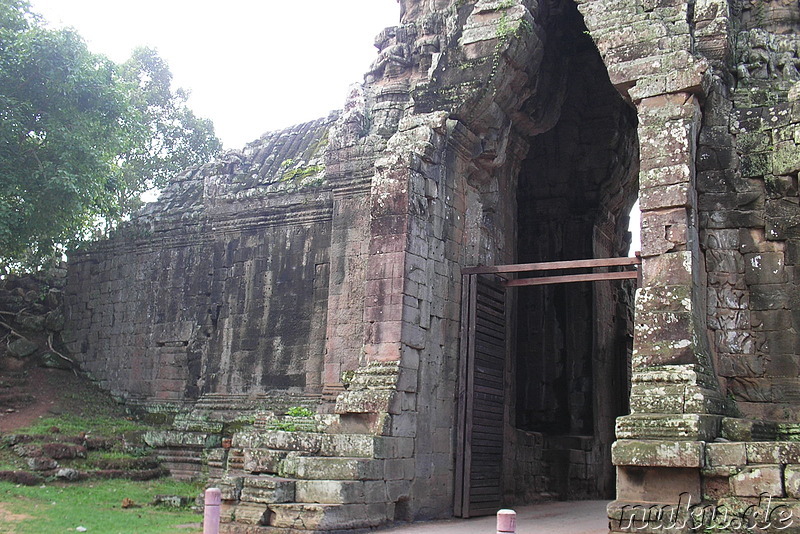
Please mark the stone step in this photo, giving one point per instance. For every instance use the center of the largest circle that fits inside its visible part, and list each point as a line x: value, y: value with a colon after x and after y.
x: 311, y: 517
x: 182, y: 439
x: 340, y: 491
x: 181, y: 464
x: 256, y: 461
x: 313, y: 443
x: 267, y: 490
x: 257, y: 489
x: 332, y: 468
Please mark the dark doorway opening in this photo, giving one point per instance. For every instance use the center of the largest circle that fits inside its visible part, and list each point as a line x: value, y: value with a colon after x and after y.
x: 572, y: 342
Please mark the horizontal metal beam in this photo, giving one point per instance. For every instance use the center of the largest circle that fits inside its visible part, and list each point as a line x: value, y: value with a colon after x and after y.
x: 593, y: 277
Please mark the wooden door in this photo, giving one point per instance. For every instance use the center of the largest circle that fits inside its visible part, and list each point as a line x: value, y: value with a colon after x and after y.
x: 479, y: 461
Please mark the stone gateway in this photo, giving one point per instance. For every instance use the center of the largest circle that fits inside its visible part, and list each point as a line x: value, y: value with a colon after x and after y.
x: 301, y: 312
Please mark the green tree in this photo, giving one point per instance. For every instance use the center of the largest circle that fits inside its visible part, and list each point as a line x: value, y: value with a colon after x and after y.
x: 170, y: 136
x: 81, y: 137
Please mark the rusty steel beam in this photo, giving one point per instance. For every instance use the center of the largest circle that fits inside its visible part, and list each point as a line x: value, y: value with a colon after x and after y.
x: 553, y: 265
x: 564, y: 279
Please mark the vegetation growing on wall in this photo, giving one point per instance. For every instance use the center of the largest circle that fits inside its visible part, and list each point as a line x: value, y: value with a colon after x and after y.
x: 81, y: 137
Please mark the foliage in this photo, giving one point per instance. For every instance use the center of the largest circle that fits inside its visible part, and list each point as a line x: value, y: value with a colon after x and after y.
x: 81, y: 137
x: 172, y: 138
x: 299, y: 411
x: 297, y: 419
x: 97, y: 506
x: 293, y: 170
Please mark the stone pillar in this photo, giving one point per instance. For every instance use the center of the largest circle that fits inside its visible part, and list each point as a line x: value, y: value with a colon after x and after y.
x: 348, y: 253
x: 674, y: 392
x: 675, y: 401
x: 396, y: 299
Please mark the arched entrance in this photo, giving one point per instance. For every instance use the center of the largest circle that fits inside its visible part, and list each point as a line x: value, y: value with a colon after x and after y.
x: 569, y: 464
x: 567, y: 366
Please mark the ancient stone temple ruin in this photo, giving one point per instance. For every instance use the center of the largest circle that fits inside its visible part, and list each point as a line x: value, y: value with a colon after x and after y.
x: 308, y: 314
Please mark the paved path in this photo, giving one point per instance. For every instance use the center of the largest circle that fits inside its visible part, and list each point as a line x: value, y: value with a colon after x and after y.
x: 562, y: 517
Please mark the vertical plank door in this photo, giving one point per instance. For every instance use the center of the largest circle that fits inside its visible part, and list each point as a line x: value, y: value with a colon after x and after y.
x: 479, y: 462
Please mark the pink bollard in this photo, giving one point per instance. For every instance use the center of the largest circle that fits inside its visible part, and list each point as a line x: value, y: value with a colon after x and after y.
x: 506, y: 522
x: 211, y: 512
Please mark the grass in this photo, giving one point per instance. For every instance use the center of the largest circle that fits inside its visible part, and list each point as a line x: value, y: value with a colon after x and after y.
x: 96, y: 506
x: 70, y: 424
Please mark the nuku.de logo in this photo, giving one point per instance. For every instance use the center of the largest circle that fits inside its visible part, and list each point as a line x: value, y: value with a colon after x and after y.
x: 765, y: 514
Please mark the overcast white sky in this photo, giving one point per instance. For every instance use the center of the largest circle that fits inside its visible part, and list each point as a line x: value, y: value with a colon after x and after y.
x: 252, y: 66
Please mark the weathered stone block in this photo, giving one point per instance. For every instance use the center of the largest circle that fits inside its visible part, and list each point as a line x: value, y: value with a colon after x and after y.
x: 162, y: 438
x: 754, y: 481
x: 668, y: 427
x: 773, y: 452
x: 663, y: 231
x: 393, y: 447
x: 346, y: 445
x: 231, y: 487
x: 780, y: 186
x: 662, y: 176
x: 769, y: 297
x: 399, y: 469
x: 727, y: 298
x: 783, y: 365
x: 671, y: 269
x: 771, y: 320
x: 665, y: 196
x: 715, y: 181
x: 41, y: 463
x: 657, y: 453
x: 792, y: 481
x: 758, y: 164
x: 724, y: 319
x: 724, y: 261
x: 251, y: 514
x: 715, y: 158
x: 703, y: 400
x: 657, y: 398
x: 328, y: 516
x: 262, y: 461
x: 657, y: 484
x: 330, y: 491
x: 750, y: 200
x: 786, y: 342
x: 267, y: 490
x: 664, y: 298
x: 749, y: 142
x: 734, y: 219
x: 786, y: 158
x: 738, y: 365
x: 735, y: 342
x: 725, y: 454
x: 310, y: 467
x: 782, y: 219
x: 765, y: 268
x: 663, y: 338
x: 725, y: 239
x: 365, y: 401
x: 745, y: 120
x: 750, y: 389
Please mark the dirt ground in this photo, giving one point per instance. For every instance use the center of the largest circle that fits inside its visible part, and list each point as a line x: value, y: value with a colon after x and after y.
x: 39, y: 392
x: 6, y: 517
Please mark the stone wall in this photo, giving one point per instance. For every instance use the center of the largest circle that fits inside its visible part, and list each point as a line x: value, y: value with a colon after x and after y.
x: 187, y: 300
x: 748, y: 202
